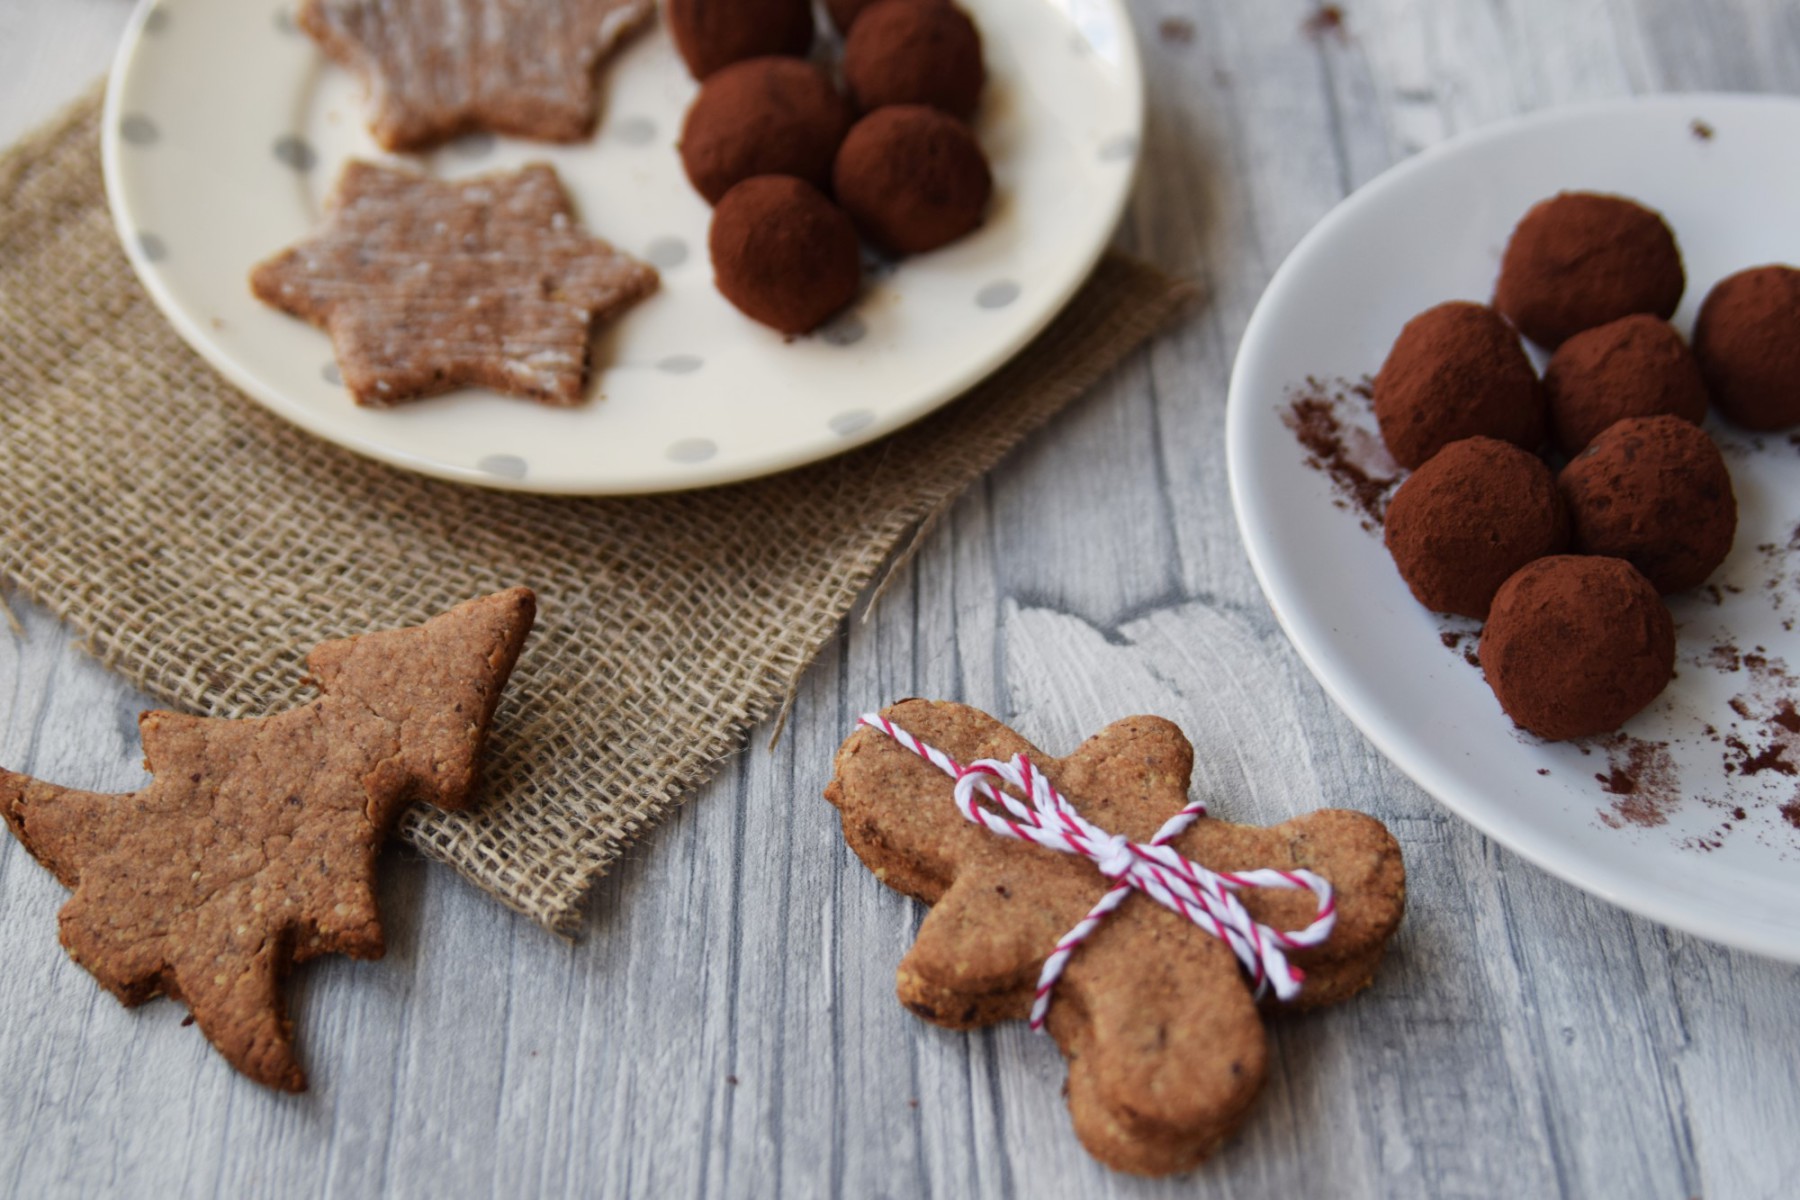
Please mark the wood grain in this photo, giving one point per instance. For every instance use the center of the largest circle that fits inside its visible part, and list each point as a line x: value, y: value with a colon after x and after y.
x: 726, y: 1024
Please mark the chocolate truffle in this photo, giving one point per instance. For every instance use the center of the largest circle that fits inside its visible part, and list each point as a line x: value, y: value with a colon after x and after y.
x: 1655, y: 492
x: 1457, y: 371
x: 783, y: 253
x: 906, y: 52
x: 844, y: 12
x: 1580, y: 260
x: 711, y: 34
x: 763, y: 116
x: 1747, y: 339
x: 1465, y: 521
x: 1635, y: 367
x: 912, y: 178
x: 1575, y: 646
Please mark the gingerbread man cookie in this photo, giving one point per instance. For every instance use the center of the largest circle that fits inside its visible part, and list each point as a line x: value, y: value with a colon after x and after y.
x: 254, y: 846
x: 1159, y: 1019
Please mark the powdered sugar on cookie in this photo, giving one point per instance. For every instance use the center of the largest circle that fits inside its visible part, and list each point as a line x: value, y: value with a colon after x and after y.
x: 438, y: 68
x: 426, y: 286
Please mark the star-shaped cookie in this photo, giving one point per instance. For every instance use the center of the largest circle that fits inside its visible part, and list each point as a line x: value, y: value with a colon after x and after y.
x: 254, y: 846
x: 438, y: 68
x: 426, y: 286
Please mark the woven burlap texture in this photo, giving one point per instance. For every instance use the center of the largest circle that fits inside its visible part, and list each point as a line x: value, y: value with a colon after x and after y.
x: 201, y: 545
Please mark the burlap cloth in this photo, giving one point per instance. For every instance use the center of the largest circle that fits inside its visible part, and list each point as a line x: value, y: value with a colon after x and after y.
x: 201, y: 546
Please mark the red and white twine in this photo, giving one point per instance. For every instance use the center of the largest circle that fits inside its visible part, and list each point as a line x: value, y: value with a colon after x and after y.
x: 1186, y: 888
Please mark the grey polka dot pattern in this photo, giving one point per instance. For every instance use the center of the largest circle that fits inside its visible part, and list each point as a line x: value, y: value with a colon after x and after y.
x: 156, y: 21
x: 330, y: 374
x: 1119, y: 149
x: 692, y: 450
x: 846, y: 330
x: 637, y: 131
x: 667, y: 253
x: 506, y: 466
x: 152, y: 247
x: 997, y: 295
x: 855, y: 421
x: 479, y: 144
x: 293, y: 150
x: 681, y: 364
x: 138, y: 129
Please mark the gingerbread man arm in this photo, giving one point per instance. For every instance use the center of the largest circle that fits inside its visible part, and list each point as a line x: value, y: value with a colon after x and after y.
x: 1351, y: 849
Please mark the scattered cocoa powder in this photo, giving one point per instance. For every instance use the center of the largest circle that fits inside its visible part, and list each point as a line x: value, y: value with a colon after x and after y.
x: 1701, y: 130
x: 1641, y: 777
x: 1332, y: 423
x: 1328, y: 19
x: 1791, y: 811
x: 1769, y: 758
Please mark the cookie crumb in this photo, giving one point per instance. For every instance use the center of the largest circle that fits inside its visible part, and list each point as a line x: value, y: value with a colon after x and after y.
x: 1328, y: 19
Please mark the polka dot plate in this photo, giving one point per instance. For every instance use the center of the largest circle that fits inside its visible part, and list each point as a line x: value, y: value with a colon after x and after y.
x: 225, y: 128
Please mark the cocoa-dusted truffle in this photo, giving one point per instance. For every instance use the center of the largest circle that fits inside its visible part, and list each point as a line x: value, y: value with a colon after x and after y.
x: 912, y: 178
x: 1465, y: 521
x: 1456, y: 371
x: 908, y: 52
x: 783, y: 253
x: 1655, y: 492
x: 711, y: 34
x: 1580, y: 260
x: 1576, y: 646
x: 1637, y: 366
x: 763, y: 116
x: 1747, y: 339
x: 844, y: 12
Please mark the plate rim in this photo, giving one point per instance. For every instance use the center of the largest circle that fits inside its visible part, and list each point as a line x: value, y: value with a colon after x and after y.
x: 690, y: 477
x: 1520, y: 837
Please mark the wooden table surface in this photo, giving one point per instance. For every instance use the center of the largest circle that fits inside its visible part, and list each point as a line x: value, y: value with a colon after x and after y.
x: 726, y: 1024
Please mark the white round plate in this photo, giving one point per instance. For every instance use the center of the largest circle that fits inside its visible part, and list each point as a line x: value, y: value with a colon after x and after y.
x: 225, y: 129
x: 1702, y: 845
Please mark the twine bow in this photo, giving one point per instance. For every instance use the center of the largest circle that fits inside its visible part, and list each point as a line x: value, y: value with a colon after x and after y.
x: 1205, y: 898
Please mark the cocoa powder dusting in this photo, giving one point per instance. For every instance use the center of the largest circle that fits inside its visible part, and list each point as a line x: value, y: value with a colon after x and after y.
x: 1335, y: 427
x: 1701, y: 130
x: 1175, y: 31
x: 1641, y: 777
x: 1328, y: 19
x: 1760, y: 738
